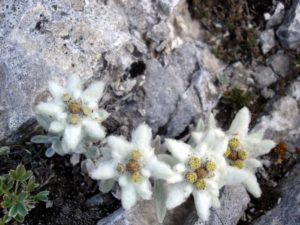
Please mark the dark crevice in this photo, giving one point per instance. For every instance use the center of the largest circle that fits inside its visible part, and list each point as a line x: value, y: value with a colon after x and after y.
x: 137, y: 68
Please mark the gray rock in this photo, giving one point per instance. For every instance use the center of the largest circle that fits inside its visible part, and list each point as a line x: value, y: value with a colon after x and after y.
x: 282, y: 122
x: 280, y: 63
x: 234, y: 201
x: 43, y: 40
x: 295, y: 90
x: 264, y: 76
x: 287, y: 212
x: 277, y: 16
x: 267, y: 40
x: 144, y: 214
x: 289, y: 32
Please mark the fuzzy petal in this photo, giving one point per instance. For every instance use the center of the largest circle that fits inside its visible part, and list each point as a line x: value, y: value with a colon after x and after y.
x: 234, y: 176
x: 56, y: 90
x: 221, y: 145
x: 240, y: 123
x: 120, y: 147
x: 144, y: 189
x: 104, y: 171
x: 196, y: 137
x: 142, y: 137
x: 49, y: 108
x: 74, y: 86
x: 128, y: 196
x: 93, y: 93
x: 257, y: 147
x: 72, y: 136
x: 212, y: 124
x: 179, y: 149
x: 203, y: 203
x: 159, y: 169
x: 93, y: 129
x: 177, y: 194
x: 213, y: 189
x: 56, y: 127
x: 252, y: 164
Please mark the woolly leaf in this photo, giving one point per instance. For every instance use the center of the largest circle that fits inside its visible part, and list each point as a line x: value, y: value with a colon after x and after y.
x: 41, y: 139
x: 160, y: 200
x: 106, y: 185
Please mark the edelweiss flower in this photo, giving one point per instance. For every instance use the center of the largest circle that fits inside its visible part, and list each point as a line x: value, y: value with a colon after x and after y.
x: 132, y: 164
x: 74, y: 113
x: 243, y: 148
x: 200, y: 169
x: 241, y: 153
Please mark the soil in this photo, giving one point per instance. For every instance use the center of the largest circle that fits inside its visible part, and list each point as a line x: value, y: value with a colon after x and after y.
x: 69, y: 188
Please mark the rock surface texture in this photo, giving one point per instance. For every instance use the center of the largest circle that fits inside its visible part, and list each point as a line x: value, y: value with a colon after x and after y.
x: 287, y: 212
x: 157, y: 70
x: 288, y: 33
x: 233, y: 199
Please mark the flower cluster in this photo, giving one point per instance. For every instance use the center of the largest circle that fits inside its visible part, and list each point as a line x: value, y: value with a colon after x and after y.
x: 201, y: 167
x: 73, y: 116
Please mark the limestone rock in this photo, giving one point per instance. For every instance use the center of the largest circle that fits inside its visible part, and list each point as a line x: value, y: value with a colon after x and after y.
x: 264, y: 76
x: 287, y: 212
x: 267, y: 40
x: 288, y: 32
x: 280, y: 63
x: 234, y: 200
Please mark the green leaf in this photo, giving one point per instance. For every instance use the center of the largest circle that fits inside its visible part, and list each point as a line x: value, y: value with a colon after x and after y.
x: 41, y: 139
x: 8, y: 201
x: 31, y: 185
x: 41, y: 196
x: 160, y: 200
x: 106, y: 185
x: 22, y: 209
x: 26, y: 176
x: 4, y: 150
x: 13, y: 211
x: 19, y: 218
x: 21, y: 197
x: 19, y: 173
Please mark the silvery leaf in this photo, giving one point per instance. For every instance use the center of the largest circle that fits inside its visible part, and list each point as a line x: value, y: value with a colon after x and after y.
x: 200, y: 127
x: 43, y: 120
x: 105, y: 186
x: 56, y: 145
x: 41, y: 139
x: 170, y: 160
x: 50, y: 152
x: 160, y: 200
x: 92, y: 152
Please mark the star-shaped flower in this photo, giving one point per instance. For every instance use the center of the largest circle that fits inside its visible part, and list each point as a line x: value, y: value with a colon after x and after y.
x: 73, y: 113
x: 200, y: 168
x: 132, y: 164
x: 242, y: 151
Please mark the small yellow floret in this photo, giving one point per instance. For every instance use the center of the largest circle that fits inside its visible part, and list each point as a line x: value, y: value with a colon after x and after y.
x: 74, y: 107
x: 239, y: 164
x: 234, y: 143
x: 243, y: 155
x: 136, y: 177
x: 66, y: 97
x: 200, y: 184
x: 86, y: 111
x: 194, y: 162
x: 210, y: 166
x: 74, y: 119
x: 227, y: 153
x: 121, y: 168
x: 191, y: 177
x: 136, y: 155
